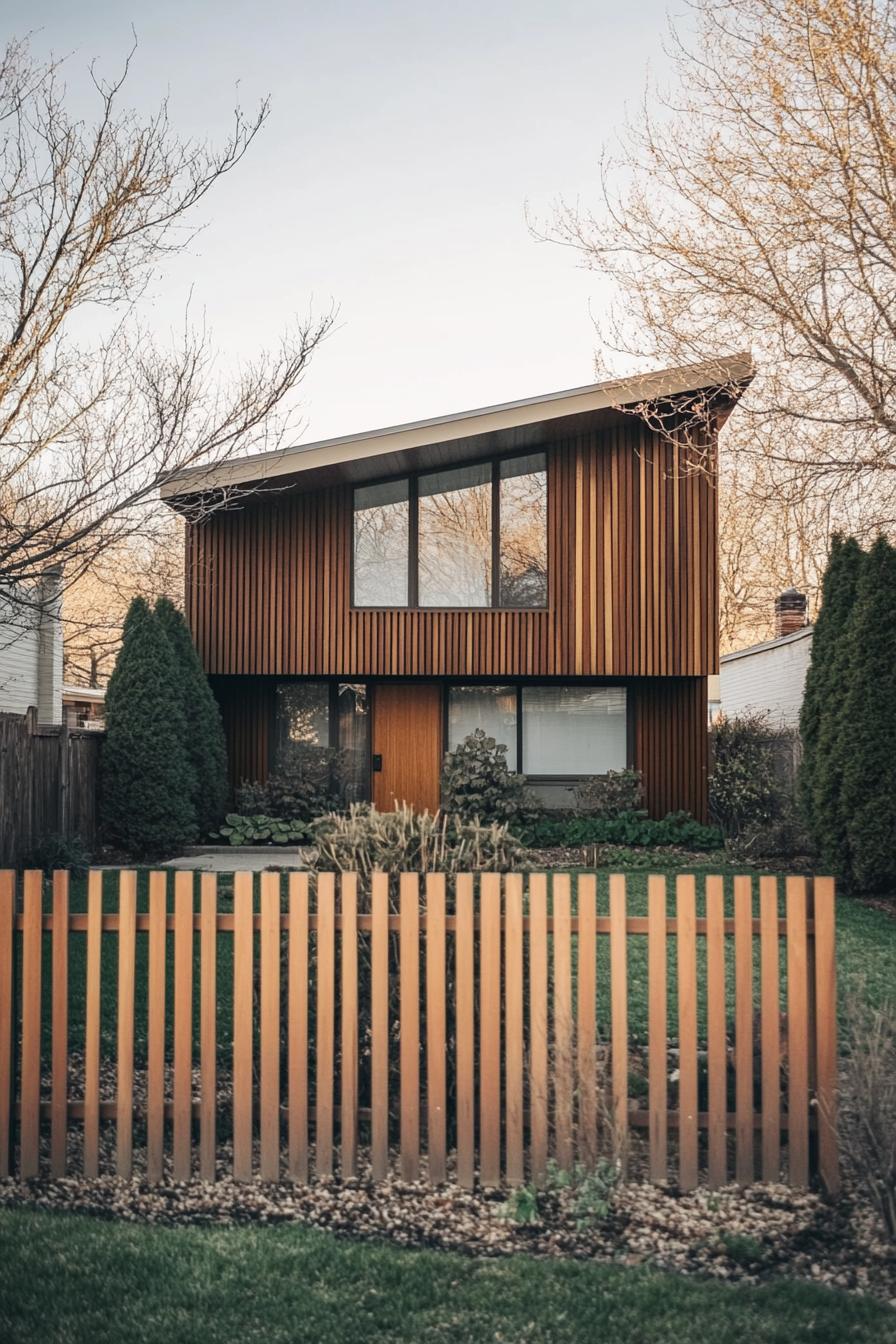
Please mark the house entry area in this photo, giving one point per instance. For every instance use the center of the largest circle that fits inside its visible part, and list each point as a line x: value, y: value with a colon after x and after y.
x: 386, y: 739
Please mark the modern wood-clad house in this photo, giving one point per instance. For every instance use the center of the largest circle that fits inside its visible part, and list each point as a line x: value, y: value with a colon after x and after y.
x: 545, y: 569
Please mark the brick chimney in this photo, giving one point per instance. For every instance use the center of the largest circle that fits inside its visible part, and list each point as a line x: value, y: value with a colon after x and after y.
x: 790, y: 612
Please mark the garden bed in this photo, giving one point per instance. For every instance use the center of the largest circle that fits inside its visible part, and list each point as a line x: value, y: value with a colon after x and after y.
x: 762, y: 1233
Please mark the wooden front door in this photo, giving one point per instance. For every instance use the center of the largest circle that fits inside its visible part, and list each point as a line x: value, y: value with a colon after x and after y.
x: 407, y: 745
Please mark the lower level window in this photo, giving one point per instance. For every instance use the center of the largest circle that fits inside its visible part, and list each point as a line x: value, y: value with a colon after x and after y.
x: 302, y: 718
x: 565, y: 730
x: 491, y: 708
x: 311, y: 717
x: 573, y: 730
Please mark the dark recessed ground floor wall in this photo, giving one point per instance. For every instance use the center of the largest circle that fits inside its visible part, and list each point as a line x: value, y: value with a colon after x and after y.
x: 667, y: 735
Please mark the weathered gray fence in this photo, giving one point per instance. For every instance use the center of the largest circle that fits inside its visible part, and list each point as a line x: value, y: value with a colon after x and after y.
x: 48, y: 785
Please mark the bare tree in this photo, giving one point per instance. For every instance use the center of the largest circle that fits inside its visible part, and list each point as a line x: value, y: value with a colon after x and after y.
x: 753, y: 205
x: 92, y: 424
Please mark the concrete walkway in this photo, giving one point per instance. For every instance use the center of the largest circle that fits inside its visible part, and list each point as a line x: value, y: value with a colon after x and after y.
x: 239, y: 858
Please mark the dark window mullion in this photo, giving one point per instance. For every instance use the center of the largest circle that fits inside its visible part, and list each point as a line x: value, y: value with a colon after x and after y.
x: 413, y: 542
x: 496, y: 534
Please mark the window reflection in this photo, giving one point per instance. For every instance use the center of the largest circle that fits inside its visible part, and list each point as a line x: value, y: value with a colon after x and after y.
x: 381, y: 545
x: 455, y: 538
x: 524, y: 535
x: 491, y: 708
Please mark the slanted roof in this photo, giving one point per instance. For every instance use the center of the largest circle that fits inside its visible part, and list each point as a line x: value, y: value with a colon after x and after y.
x: 794, y: 637
x: 464, y: 436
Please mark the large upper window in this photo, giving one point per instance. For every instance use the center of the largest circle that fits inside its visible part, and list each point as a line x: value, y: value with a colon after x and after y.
x: 471, y: 536
x: 382, y: 513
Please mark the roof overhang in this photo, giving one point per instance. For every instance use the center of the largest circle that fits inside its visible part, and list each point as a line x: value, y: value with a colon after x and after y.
x: 465, y: 436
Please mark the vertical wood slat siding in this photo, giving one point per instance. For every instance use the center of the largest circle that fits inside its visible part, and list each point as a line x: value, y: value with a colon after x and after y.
x: 268, y: 584
x: 521, y: 949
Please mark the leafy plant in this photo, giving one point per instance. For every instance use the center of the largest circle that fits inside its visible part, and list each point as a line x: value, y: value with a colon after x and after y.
x: 476, y: 783
x: 746, y: 791
x: 611, y: 795
x: 365, y: 841
x: 632, y: 829
x: 590, y: 1190
x: 305, y: 785
x: 262, y: 830
x: 521, y: 1205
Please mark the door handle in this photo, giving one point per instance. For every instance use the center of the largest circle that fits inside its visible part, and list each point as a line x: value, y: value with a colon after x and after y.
x: 377, y: 762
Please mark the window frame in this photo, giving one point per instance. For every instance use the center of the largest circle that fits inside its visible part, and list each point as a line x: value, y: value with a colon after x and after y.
x: 413, y: 479
x: 518, y: 687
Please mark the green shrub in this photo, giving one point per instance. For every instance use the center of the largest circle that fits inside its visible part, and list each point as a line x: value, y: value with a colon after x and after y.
x: 633, y: 829
x: 307, y: 784
x: 365, y: 841
x: 262, y: 830
x: 147, y: 778
x: 745, y: 790
x: 611, y: 795
x: 205, y: 743
x: 476, y: 783
x: 60, y: 851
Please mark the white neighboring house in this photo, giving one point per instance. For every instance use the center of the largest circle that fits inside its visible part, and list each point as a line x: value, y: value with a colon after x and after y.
x: 770, y: 677
x: 31, y: 649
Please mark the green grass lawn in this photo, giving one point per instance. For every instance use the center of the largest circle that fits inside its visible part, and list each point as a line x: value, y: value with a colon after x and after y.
x: 866, y: 960
x: 72, y: 1279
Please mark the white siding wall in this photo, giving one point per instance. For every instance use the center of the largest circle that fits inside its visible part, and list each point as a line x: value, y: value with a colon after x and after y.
x: 31, y: 656
x: 769, y: 679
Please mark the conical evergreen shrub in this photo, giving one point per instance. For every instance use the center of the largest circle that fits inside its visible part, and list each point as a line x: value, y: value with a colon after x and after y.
x: 820, y: 718
x: 206, y: 745
x: 868, y: 736
x: 147, y: 780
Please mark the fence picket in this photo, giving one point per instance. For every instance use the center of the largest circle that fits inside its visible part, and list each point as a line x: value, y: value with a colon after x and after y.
x: 155, y: 1042
x: 92, y: 1025
x: 7, y: 964
x: 127, y: 948
x: 269, y: 1029
x: 464, y: 975
x: 770, y: 1028
x: 435, y: 1027
x: 409, y: 897
x: 586, y: 1030
x: 513, y: 1016
x: 243, y: 957
x: 716, y: 1034
x: 326, y: 1024
x: 826, y: 1028
x: 59, y: 1059
x: 619, y: 1016
x: 743, y: 1030
x: 538, y: 1027
x: 297, y: 1007
x: 29, y: 1112
x: 563, y: 1030
x: 797, y: 1035
x: 379, y: 1026
x: 490, y: 1029
x: 348, y: 1071
x: 686, y: 911
x: 181, y: 1138
x: 208, y: 957
x: 657, y: 1028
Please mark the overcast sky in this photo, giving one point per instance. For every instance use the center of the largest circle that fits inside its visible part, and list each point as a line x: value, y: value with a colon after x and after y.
x: 404, y: 142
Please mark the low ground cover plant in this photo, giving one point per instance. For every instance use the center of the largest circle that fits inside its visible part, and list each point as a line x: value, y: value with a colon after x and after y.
x: 633, y: 829
x: 262, y: 830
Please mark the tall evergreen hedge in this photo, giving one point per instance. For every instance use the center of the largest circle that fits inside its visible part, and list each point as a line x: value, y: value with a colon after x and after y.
x: 206, y: 745
x: 147, y: 788
x: 867, y: 763
x: 826, y: 684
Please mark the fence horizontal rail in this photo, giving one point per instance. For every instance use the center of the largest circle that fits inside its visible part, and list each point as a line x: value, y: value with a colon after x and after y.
x: 450, y: 1026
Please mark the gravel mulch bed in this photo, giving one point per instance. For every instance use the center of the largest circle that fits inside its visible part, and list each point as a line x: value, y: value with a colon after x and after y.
x: 749, y: 1235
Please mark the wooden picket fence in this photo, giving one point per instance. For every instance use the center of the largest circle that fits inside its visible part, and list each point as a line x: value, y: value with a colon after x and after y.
x: 491, y: 1051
